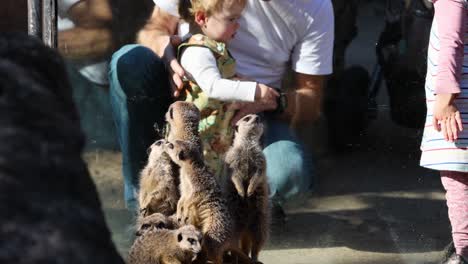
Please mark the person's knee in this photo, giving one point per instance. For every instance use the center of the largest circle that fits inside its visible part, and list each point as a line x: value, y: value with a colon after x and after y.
x: 288, y: 168
x: 138, y: 70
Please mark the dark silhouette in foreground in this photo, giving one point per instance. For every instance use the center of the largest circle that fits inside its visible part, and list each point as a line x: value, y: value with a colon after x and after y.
x: 49, y: 207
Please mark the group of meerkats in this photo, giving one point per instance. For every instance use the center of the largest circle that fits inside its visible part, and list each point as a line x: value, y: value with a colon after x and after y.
x: 189, y: 215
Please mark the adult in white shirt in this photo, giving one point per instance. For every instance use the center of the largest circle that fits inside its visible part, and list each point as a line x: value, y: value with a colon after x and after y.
x: 274, y: 37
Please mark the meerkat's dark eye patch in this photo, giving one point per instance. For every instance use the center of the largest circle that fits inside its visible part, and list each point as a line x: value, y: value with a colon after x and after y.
x: 171, y: 113
x: 159, y: 142
x: 236, y: 128
x: 191, y: 241
x: 247, y: 119
x: 170, y: 145
x: 160, y: 225
x: 179, y: 237
x: 145, y: 226
x: 181, y: 155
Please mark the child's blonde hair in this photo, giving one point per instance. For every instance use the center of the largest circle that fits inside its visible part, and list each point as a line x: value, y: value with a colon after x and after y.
x: 211, y: 6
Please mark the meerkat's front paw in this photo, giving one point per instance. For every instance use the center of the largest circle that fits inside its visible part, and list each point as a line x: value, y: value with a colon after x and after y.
x: 183, y: 215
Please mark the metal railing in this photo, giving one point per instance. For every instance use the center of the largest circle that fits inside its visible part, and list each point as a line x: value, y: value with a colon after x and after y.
x: 42, y: 20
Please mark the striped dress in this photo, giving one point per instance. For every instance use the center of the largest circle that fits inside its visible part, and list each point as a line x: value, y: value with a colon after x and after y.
x: 437, y: 153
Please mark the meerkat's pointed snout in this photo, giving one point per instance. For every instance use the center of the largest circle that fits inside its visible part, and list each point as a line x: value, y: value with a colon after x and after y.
x: 257, y: 119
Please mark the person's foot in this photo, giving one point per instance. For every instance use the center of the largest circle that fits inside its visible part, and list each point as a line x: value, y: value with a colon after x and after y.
x: 448, y: 252
x: 455, y: 259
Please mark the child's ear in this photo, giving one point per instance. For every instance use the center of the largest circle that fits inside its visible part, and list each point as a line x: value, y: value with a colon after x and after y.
x: 200, y: 18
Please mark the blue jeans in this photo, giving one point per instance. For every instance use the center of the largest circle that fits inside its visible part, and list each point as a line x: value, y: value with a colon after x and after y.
x: 140, y: 96
x: 289, y: 164
x: 92, y: 101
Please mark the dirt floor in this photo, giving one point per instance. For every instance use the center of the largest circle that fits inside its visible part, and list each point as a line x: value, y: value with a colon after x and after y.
x: 373, y: 204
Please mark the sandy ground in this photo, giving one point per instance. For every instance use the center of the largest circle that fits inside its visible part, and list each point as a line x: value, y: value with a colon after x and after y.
x: 371, y: 205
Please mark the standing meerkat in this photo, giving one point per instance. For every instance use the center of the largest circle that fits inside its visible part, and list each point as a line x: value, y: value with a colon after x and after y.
x: 183, y: 119
x: 247, y: 188
x: 202, y: 203
x: 163, y: 246
x: 155, y: 221
x: 159, y: 183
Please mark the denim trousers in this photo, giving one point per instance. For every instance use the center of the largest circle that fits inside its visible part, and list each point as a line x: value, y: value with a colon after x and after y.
x: 140, y: 95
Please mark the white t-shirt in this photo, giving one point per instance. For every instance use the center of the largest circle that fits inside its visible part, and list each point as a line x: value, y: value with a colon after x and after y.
x: 276, y: 34
x: 94, y: 71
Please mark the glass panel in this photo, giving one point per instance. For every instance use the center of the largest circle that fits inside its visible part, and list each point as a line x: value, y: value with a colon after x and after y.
x: 86, y: 42
x: 364, y: 197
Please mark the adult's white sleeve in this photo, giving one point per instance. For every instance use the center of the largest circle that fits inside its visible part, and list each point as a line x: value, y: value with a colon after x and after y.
x: 200, y: 65
x: 170, y: 6
x: 314, y: 54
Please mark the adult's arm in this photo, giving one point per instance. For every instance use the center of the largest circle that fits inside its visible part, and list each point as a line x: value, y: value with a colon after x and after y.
x: 304, y: 102
x: 85, y: 43
x: 311, y: 61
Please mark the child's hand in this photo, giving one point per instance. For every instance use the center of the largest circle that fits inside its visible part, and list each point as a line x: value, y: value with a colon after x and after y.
x: 266, y: 96
x: 446, y: 117
x: 265, y: 100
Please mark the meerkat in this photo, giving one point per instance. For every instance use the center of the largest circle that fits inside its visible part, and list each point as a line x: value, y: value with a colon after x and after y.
x: 183, y: 119
x: 202, y: 203
x: 247, y: 188
x: 155, y: 221
x: 159, y: 183
x: 163, y: 246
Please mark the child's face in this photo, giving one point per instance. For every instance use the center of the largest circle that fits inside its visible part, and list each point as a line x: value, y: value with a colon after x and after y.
x: 222, y: 25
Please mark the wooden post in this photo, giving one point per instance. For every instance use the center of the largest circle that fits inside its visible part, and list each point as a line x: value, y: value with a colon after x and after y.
x: 34, y: 18
x: 49, y: 22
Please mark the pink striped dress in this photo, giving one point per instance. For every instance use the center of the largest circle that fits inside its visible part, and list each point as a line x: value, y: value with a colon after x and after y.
x: 447, y: 72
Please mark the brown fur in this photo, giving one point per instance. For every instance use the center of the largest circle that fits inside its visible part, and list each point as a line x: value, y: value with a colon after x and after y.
x: 202, y: 203
x: 155, y: 221
x: 183, y: 119
x: 247, y: 188
x: 163, y: 246
x: 158, y: 183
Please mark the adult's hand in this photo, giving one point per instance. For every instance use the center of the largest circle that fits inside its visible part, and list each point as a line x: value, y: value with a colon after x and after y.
x: 266, y: 95
x: 176, y: 71
x: 446, y: 117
